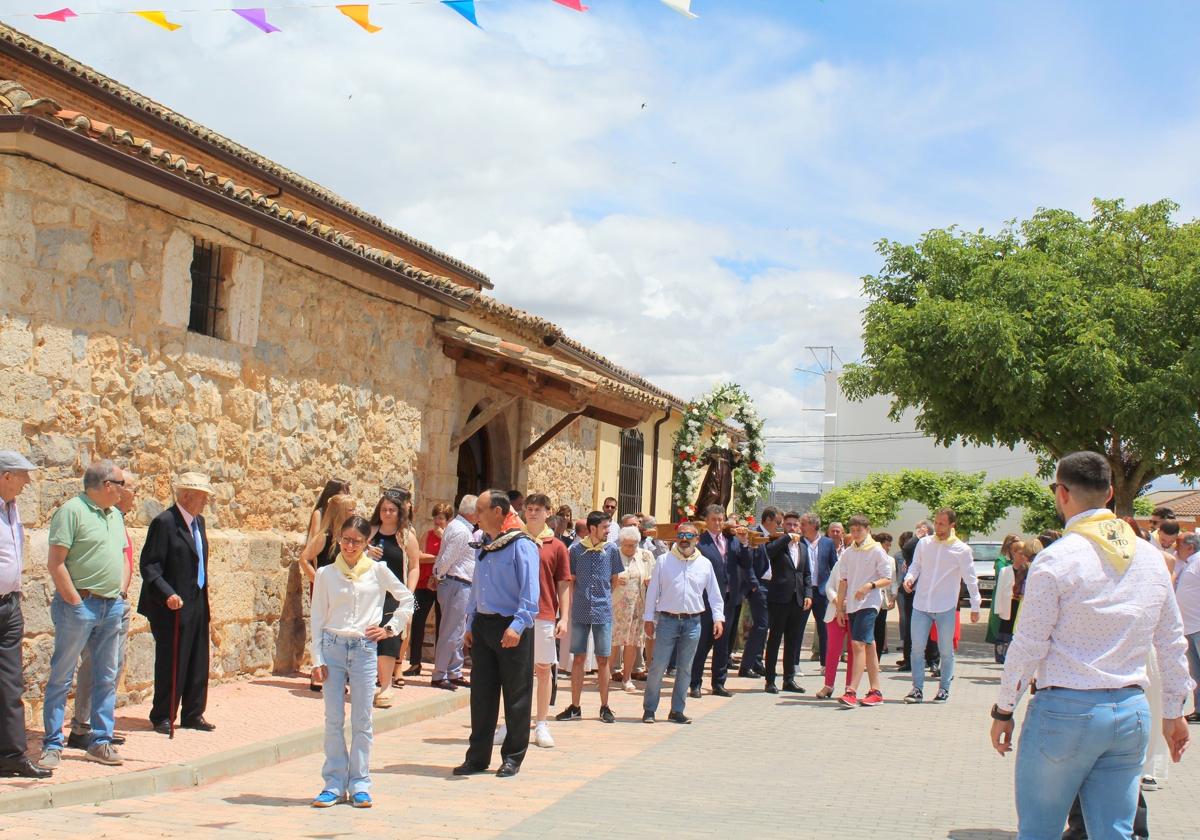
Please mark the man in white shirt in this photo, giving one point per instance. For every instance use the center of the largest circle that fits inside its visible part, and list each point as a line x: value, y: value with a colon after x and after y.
x: 614, y: 527
x: 942, y: 562
x: 1187, y: 593
x: 674, y: 604
x: 454, y: 570
x: 1095, y: 601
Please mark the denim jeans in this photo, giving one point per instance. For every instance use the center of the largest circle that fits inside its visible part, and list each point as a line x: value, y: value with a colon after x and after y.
x: 1193, y: 652
x: 353, y: 661
x: 672, y: 635
x: 922, y: 622
x: 81, y: 719
x: 1086, y: 743
x: 94, y: 624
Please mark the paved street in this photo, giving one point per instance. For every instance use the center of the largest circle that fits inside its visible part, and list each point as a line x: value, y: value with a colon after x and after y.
x: 927, y: 772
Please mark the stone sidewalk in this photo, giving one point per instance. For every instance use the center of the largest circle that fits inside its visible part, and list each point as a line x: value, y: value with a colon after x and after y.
x: 757, y: 764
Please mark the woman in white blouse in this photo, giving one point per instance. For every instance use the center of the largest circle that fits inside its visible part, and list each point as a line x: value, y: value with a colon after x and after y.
x: 347, y: 608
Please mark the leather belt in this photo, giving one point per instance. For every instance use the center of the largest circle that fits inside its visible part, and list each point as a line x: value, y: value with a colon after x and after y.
x: 679, y: 615
x: 463, y: 581
x: 90, y: 593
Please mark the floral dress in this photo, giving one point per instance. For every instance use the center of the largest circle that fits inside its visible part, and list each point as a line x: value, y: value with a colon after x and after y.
x: 629, y: 601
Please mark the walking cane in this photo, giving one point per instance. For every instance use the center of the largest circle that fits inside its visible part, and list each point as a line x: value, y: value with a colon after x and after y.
x: 174, y: 673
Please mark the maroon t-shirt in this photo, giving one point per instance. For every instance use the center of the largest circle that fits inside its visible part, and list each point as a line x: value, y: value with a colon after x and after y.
x: 555, y: 567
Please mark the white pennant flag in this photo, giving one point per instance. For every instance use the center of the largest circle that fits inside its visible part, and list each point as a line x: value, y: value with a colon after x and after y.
x: 684, y: 7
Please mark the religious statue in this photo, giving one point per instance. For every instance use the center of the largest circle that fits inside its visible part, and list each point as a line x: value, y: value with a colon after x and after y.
x: 717, y: 487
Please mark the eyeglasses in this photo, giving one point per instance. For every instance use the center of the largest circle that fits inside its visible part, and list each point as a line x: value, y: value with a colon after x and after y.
x: 352, y: 541
x: 120, y: 483
x: 686, y: 535
x: 1054, y: 485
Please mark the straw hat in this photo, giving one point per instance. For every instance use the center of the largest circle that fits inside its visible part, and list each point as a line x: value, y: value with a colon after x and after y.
x: 193, y: 481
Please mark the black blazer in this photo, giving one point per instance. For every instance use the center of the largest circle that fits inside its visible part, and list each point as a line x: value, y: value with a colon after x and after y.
x: 169, y: 566
x: 788, y: 583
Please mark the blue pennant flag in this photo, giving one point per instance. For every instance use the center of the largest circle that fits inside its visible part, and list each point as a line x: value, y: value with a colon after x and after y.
x: 466, y: 8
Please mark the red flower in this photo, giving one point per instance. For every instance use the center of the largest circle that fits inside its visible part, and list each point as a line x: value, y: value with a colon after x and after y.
x: 749, y: 520
x: 683, y: 455
x: 755, y: 467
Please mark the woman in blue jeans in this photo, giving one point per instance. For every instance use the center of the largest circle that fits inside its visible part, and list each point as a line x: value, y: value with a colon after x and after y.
x: 347, y: 608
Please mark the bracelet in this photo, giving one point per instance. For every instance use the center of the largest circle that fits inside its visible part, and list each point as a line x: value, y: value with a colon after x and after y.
x: 997, y: 714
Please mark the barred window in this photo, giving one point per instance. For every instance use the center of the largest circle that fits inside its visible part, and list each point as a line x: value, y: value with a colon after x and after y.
x: 629, y: 480
x: 207, y: 288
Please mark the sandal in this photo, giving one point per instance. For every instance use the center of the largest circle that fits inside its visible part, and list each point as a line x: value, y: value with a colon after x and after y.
x: 825, y: 692
x: 397, y: 682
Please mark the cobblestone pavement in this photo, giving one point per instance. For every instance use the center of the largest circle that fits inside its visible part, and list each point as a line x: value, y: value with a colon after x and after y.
x: 761, y: 765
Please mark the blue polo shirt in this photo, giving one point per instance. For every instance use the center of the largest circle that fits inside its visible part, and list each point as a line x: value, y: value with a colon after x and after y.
x: 593, y: 571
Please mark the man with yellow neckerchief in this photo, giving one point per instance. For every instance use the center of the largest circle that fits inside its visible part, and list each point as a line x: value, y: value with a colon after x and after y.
x: 942, y: 562
x: 549, y: 625
x: 866, y: 571
x: 1094, y: 603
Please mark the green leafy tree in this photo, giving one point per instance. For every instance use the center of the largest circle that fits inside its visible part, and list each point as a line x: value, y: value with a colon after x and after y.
x: 979, y: 504
x: 1060, y: 332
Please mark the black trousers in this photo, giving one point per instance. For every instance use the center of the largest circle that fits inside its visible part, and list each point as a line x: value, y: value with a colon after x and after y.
x: 496, y: 669
x: 1076, y: 830
x: 819, y: 604
x: 933, y: 656
x: 732, y: 623
x: 191, y: 673
x: 800, y: 638
x: 425, y: 598
x: 12, y: 681
x: 881, y: 632
x: 720, y: 653
x: 785, y: 622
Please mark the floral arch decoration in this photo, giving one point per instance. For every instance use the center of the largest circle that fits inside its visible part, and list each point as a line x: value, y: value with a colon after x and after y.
x: 752, y: 476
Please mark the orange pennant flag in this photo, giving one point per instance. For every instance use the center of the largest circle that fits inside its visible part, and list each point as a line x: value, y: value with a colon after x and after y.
x: 360, y: 15
x: 158, y: 19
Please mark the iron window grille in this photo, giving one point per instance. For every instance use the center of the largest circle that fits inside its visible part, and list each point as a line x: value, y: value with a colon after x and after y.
x: 206, y: 288
x: 629, y: 480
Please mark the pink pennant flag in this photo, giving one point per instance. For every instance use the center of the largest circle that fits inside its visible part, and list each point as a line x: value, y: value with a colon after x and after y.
x: 577, y: 5
x: 60, y: 16
x: 257, y: 17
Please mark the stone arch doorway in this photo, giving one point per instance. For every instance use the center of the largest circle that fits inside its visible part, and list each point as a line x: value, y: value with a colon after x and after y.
x: 474, y: 461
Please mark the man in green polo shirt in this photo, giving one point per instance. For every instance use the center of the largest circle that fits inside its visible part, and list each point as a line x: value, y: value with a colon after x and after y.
x: 87, y: 565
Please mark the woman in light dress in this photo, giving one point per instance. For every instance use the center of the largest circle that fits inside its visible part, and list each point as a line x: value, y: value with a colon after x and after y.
x: 629, y: 602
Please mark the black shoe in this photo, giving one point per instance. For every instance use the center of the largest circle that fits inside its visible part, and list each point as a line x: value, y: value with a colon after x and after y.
x: 935, y: 672
x: 468, y: 769
x: 694, y: 693
x: 720, y: 691
x: 80, y: 741
x: 942, y: 696
x: 770, y: 688
x: 606, y: 715
x: 647, y: 717
x: 678, y: 717
x: 790, y: 685
x: 445, y: 685
x: 163, y: 727
x: 904, y: 668
x: 914, y: 696
x: 199, y: 724
x: 902, y: 663
x: 414, y: 671
x: 508, y: 768
x: 1194, y: 717
x: 23, y: 768
x: 570, y: 713
x: 670, y: 672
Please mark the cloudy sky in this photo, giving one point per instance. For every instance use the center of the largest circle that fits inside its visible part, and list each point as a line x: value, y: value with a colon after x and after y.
x: 696, y: 199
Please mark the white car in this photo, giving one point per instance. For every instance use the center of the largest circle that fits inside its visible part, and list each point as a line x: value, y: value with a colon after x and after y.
x: 986, y: 554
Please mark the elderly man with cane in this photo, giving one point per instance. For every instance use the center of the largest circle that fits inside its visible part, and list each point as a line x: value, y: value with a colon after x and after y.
x: 174, y: 599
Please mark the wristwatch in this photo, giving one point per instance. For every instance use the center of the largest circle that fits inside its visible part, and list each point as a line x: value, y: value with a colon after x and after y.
x: 997, y: 714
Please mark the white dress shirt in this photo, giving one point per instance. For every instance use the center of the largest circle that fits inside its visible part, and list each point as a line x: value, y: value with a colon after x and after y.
x: 348, y: 607
x: 456, y: 558
x: 938, y: 568
x: 1187, y: 593
x: 831, y: 591
x: 677, y: 586
x: 1084, y: 626
x: 861, y: 567
x: 12, y: 547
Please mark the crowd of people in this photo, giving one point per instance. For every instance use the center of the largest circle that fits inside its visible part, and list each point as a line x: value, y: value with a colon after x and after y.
x: 1098, y: 617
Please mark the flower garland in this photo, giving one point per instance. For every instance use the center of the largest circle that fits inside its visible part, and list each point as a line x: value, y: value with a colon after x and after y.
x: 751, y: 474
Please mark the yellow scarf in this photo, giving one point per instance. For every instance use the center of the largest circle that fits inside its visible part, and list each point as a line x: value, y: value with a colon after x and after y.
x: 1112, y: 538
x: 588, y: 545
x: 546, y: 535
x: 950, y: 540
x: 363, y: 566
x: 867, y: 544
x: 675, y: 551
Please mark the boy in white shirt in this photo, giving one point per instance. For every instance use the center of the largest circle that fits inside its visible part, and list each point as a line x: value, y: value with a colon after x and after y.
x: 866, y: 573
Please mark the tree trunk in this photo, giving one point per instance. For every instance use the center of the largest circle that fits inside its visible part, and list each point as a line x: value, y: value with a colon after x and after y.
x: 1128, y: 479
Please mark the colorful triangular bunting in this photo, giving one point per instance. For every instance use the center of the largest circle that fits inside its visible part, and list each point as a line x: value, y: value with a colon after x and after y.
x: 360, y: 15
x: 257, y: 18
x: 684, y: 7
x: 61, y: 15
x: 158, y: 19
x: 577, y: 5
x: 466, y: 8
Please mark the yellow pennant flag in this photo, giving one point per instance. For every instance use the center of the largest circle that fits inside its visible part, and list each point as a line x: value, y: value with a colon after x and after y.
x: 158, y: 19
x: 360, y: 15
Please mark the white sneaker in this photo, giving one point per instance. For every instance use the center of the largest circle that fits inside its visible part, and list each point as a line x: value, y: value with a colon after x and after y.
x: 501, y: 734
x: 541, y: 735
x: 384, y: 698
x: 630, y: 688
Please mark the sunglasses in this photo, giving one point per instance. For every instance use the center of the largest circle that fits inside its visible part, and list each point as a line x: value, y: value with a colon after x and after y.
x: 120, y: 483
x: 686, y: 535
x: 1054, y: 485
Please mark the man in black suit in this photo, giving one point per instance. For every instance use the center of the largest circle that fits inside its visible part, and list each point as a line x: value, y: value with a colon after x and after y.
x: 730, y: 558
x: 174, y: 568
x: 789, y: 597
x: 752, y: 656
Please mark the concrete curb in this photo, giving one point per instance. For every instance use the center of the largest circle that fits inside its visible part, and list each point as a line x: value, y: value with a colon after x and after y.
x: 219, y: 765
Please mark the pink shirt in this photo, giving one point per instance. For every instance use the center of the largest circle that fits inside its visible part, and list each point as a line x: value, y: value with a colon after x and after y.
x: 719, y: 539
